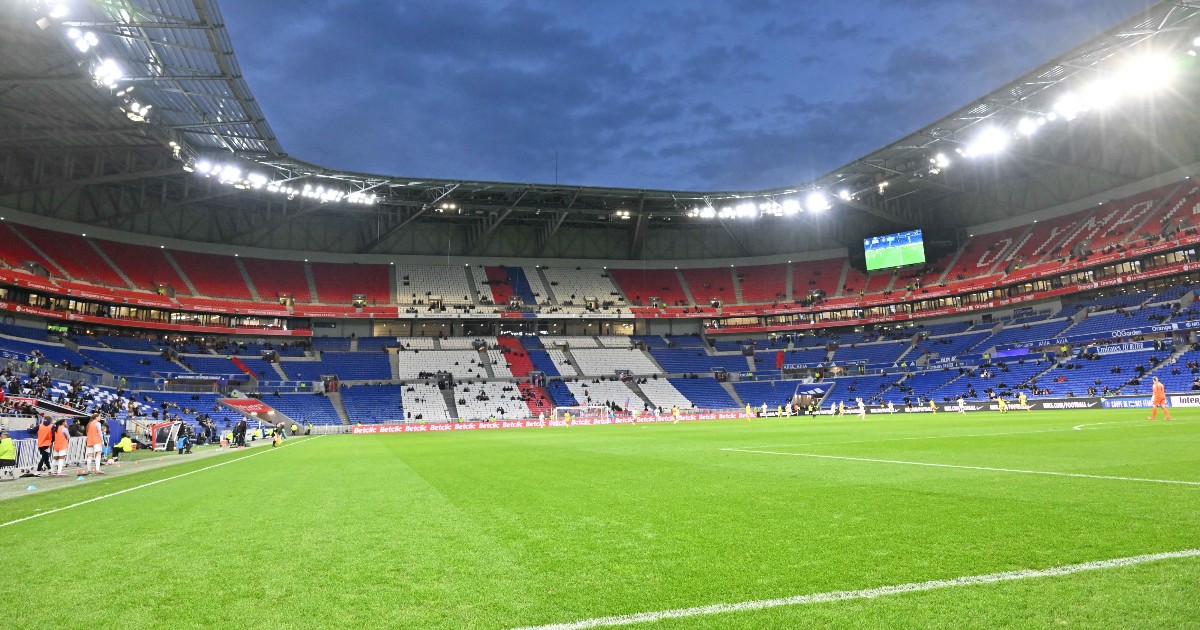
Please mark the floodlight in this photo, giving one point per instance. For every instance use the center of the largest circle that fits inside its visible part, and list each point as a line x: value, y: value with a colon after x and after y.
x: 59, y: 11
x: 1068, y: 106
x: 203, y: 166
x: 1027, y: 126
x: 1147, y: 73
x: 746, y: 209
x: 1103, y: 93
x: 844, y: 194
x: 74, y: 33
x: 816, y: 201
x: 941, y: 161
x: 1196, y: 42
x: 989, y: 142
x: 707, y: 213
x: 791, y: 206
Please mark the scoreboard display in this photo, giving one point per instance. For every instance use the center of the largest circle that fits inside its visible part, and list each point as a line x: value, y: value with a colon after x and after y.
x: 894, y: 250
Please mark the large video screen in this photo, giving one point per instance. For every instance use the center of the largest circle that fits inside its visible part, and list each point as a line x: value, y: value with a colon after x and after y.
x: 894, y: 250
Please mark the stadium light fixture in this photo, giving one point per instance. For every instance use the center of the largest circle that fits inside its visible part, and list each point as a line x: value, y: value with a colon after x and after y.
x: 1147, y: 73
x: 791, y: 206
x: 107, y: 73
x: 845, y: 194
x: 1027, y: 126
x: 746, y: 210
x: 990, y: 141
x: 707, y: 213
x: 1069, y: 106
x: 816, y: 201
x: 59, y: 11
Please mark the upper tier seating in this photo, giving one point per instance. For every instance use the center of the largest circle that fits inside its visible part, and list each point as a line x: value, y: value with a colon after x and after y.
x: 761, y: 284
x: 212, y: 275
x: 16, y: 252
x: 707, y: 285
x: 1178, y: 212
x: 273, y: 278
x: 640, y: 285
x: 950, y: 345
x: 416, y: 284
x: 75, y: 255
x: 878, y: 281
x: 697, y: 361
x: 1025, y: 332
x: 491, y: 283
x: 337, y: 283
x: 1103, y: 322
x: 537, y: 288
x: 146, y: 267
x: 856, y: 282
x: 872, y: 353
x: 348, y: 366
x: 574, y: 285
x: 817, y: 275
x: 122, y: 363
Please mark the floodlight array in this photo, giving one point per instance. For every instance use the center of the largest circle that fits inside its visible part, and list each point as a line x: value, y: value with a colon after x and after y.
x: 234, y: 175
x: 1136, y: 77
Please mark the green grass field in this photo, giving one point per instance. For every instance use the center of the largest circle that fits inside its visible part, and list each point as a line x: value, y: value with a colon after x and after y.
x: 517, y: 528
x: 895, y: 256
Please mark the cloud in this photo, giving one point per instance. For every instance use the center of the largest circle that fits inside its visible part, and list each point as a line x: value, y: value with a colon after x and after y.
x: 670, y: 94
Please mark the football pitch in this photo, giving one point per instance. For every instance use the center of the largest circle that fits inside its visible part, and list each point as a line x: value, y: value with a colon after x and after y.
x: 897, y: 256
x: 1073, y: 519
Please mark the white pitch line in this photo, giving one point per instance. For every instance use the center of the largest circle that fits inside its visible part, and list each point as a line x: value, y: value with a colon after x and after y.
x: 984, y: 468
x: 950, y: 436
x: 866, y: 593
x: 146, y: 485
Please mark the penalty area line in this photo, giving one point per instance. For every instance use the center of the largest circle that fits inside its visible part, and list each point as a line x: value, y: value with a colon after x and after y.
x: 867, y: 593
x: 961, y: 467
x: 148, y: 484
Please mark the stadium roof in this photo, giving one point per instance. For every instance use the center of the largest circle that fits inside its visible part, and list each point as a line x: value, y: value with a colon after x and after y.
x: 75, y: 126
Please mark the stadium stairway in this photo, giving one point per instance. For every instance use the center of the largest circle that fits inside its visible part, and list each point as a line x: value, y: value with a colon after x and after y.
x: 187, y: 282
x: 546, y: 283
x: 475, y: 296
x: 108, y: 261
x: 335, y: 398
x: 737, y: 286
x: 451, y: 404
x: 733, y: 393
x: 632, y: 384
x: 246, y: 277
x: 312, y: 284
x: 687, y: 291
x: 279, y: 370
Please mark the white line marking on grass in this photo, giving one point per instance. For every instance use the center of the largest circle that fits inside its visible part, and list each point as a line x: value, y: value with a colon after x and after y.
x: 147, y: 485
x: 867, y: 593
x: 948, y: 437
x: 984, y: 468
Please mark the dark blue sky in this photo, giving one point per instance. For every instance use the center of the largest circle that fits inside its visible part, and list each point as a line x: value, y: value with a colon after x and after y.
x: 735, y: 94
